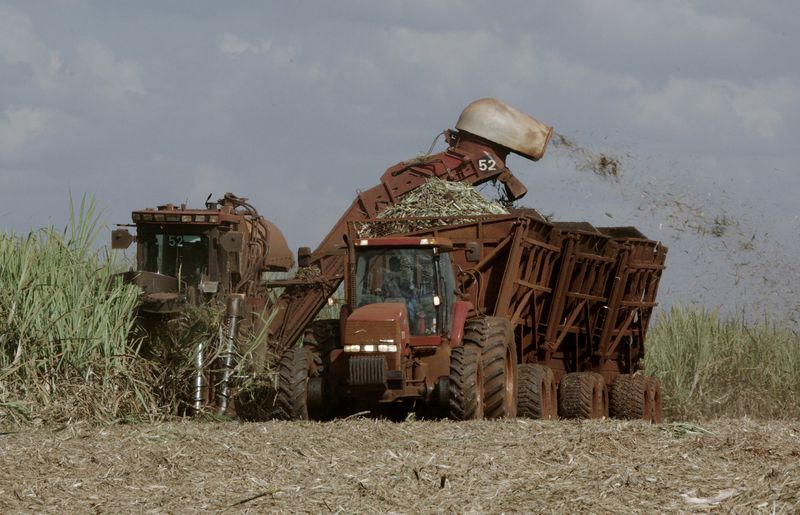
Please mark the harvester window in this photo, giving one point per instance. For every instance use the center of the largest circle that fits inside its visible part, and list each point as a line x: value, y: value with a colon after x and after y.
x: 184, y: 255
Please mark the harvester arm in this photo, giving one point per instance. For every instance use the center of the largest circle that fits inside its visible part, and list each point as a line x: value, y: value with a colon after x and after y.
x: 487, y: 131
x: 469, y: 159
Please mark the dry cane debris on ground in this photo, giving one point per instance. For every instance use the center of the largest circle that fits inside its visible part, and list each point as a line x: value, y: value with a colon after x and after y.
x: 363, y: 465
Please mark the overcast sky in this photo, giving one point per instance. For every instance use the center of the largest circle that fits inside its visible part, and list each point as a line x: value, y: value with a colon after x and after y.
x: 297, y: 105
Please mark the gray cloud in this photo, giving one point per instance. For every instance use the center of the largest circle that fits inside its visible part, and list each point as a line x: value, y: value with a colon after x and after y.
x: 19, y: 45
x: 116, y: 79
x: 18, y: 127
x: 298, y: 105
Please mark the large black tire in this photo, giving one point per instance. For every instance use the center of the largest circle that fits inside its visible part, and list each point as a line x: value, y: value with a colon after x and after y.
x: 466, y: 383
x: 582, y: 395
x: 629, y: 398
x: 537, y: 397
x: 495, y: 337
x: 297, y: 366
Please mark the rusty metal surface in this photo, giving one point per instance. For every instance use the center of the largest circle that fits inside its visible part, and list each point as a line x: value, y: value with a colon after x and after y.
x: 579, y: 297
x: 279, y: 257
x: 631, y: 300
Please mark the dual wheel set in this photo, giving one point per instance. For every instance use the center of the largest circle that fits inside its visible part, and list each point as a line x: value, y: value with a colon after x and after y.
x: 484, y: 378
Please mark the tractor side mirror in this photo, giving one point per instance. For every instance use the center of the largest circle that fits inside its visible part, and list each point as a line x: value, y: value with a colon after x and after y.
x: 232, y: 241
x: 303, y: 257
x: 472, y: 251
x: 121, y: 239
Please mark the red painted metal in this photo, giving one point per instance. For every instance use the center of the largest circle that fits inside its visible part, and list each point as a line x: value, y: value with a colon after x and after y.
x: 460, y: 312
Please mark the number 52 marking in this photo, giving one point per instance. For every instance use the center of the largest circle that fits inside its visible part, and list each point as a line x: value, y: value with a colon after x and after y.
x: 487, y: 164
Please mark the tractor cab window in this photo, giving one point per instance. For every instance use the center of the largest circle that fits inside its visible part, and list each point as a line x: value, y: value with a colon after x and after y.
x: 178, y: 255
x: 410, y: 276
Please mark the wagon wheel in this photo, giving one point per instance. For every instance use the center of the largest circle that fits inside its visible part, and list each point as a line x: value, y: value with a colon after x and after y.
x: 583, y: 395
x: 654, y: 396
x: 632, y: 397
x: 466, y: 383
x: 536, y: 391
x: 298, y: 379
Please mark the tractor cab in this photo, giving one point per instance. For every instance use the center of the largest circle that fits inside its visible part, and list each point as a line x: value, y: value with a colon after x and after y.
x: 401, y: 292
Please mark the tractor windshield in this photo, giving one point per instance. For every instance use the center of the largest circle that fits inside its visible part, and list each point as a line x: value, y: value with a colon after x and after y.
x: 184, y: 256
x: 408, y: 275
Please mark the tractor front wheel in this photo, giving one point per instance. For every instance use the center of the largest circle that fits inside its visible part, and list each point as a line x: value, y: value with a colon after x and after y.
x: 466, y: 383
x: 298, y: 381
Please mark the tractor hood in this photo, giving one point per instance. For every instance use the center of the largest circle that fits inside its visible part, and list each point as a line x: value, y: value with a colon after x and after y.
x: 375, y: 324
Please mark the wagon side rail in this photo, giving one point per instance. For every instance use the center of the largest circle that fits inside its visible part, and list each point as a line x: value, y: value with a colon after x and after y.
x: 580, y: 292
x: 632, y: 298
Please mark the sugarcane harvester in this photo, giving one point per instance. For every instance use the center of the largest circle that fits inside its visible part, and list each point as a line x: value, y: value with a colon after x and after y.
x: 215, y: 256
x: 486, y: 316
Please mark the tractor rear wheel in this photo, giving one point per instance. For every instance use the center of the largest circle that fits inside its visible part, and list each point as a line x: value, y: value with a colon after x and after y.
x: 583, y: 395
x: 466, y: 383
x: 299, y: 369
x: 496, y: 339
x: 630, y: 399
x: 536, y: 392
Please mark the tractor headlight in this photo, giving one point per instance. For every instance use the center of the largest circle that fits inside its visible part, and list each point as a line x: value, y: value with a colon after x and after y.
x: 383, y: 347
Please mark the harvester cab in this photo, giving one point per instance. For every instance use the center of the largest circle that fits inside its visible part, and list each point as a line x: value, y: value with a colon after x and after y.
x: 196, y: 255
x: 215, y: 257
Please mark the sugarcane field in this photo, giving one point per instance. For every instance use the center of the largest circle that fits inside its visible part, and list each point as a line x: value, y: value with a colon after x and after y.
x: 387, y: 258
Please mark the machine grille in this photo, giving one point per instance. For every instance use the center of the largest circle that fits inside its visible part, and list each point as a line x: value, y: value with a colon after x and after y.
x: 367, y: 371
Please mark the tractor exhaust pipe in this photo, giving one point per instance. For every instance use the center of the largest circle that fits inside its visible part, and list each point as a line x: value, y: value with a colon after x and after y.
x: 233, y: 317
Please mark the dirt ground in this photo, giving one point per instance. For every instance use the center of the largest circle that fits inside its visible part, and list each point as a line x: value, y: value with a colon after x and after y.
x: 377, y: 466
